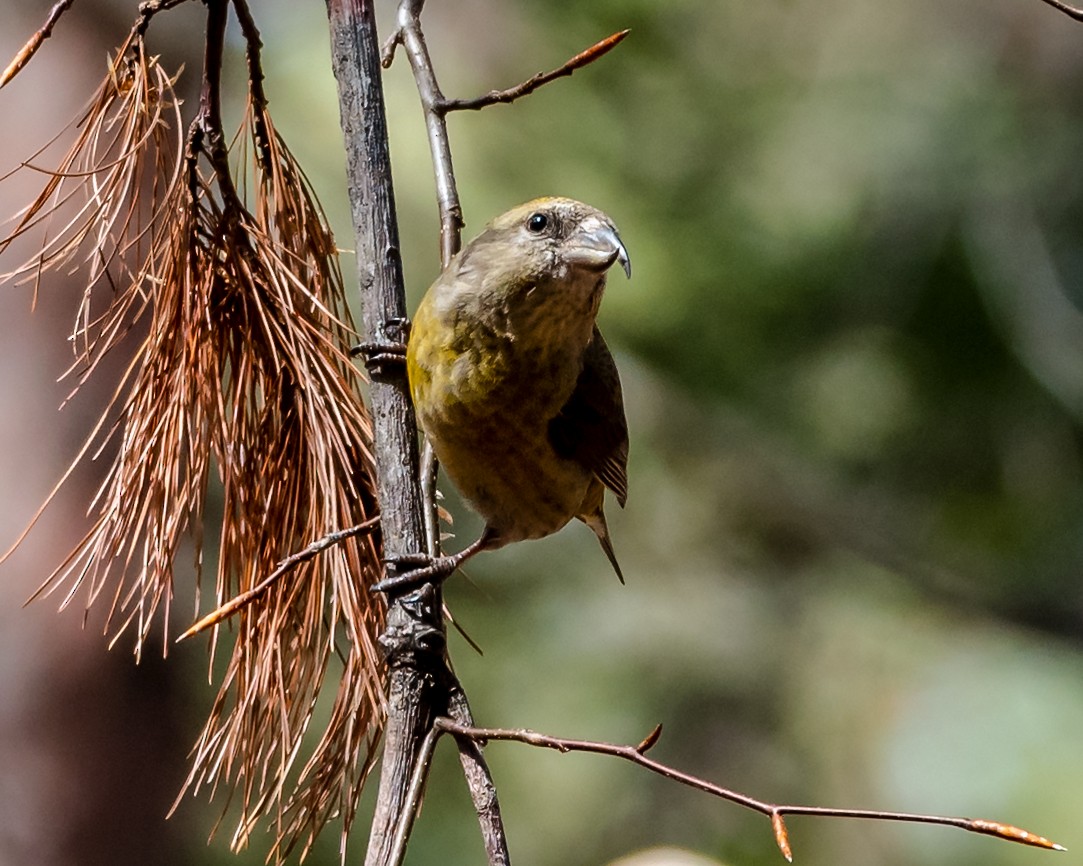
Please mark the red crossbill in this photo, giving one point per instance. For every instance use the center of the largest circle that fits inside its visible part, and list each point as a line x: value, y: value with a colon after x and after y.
x: 512, y: 382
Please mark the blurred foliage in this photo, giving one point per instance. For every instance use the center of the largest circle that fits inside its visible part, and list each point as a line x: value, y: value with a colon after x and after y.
x: 853, y: 360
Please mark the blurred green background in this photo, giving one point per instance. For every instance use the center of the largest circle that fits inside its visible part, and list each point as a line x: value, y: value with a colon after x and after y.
x: 852, y: 353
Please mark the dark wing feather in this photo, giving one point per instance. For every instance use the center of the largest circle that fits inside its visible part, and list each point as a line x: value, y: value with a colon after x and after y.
x: 591, y: 428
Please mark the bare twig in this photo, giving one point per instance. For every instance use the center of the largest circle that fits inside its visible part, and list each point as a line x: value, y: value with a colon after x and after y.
x: 252, y: 52
x: 283, y: 568
x: 480, y: 782
x: 775, y: 811
x: 1070, y: 11
x: 207, y: 135
x: 408, y: 33
x: 412, y: 806
x: 534, y: 82
x: 24, y: 54
x: 430, y: 468
x: 148, y: 9
x: 478, y: 779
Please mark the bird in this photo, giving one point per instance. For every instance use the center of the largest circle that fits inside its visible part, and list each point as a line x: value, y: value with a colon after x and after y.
x: 512, y: 382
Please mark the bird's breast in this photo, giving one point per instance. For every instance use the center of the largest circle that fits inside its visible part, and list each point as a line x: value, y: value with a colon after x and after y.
x: 485, y: 405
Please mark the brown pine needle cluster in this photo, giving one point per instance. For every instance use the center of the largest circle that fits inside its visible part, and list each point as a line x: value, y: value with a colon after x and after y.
x: 240, y: 388
x: 103, y: 207
x: 295, y: 464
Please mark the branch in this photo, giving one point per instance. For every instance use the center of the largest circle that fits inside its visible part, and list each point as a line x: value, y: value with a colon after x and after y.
x: 147, y: 10
x: 408, y: 33
x: 35, y: 42
x: 414, y: 795
x: 527, y: 87
x: 414, y: 640
x: 478, y: 779
x: 252, y: 52
x: 637, y: 755
x: 283, y: 568
x: 1070, y: 11
x: 436, y: 107
x: 206, y: 134
x: 480, y: 782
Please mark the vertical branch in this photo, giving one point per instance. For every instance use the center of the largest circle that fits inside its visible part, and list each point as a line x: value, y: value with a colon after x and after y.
x: 206, y: 135
x: 480, y: 782
x: 415, y: 639
x: 256, y: 93
x: 409, y: 33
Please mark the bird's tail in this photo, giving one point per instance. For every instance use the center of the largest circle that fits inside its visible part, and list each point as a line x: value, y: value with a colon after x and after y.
x: 596, y: 521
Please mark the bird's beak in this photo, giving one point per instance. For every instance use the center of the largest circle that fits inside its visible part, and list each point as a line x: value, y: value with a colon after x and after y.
x: 595, y: 246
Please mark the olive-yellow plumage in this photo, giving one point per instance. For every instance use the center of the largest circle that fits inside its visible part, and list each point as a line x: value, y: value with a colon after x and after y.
x: 512, y: 381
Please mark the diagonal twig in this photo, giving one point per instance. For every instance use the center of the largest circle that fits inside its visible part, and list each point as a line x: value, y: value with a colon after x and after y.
x: 775, y: 811
x: 147, y: 10
x: 409, y: 34
x: 480, y: 782
x: 32, y: 45
x: 414, y: 794
x: 284, y: 567
x: 527, y: 87
x: 1070, y: 11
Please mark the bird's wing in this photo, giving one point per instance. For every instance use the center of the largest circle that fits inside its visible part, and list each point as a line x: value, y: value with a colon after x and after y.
x: 591, y: 428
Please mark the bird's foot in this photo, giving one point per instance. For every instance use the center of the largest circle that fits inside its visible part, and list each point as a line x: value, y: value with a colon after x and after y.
x: 434, y: 569
x: 387, y: 350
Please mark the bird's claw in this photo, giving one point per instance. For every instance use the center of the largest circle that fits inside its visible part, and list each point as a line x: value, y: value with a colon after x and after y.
x: 438, y: 569
x: 388, y: 349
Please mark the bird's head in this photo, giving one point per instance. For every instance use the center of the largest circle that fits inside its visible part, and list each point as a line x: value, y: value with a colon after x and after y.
x: 559, y: 238
x: 554, y: 243
x: 536, y: 272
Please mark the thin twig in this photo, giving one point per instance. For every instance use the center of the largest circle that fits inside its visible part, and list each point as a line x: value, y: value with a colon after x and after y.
x: 206, y: 135
x: 479, y: 779
x: 409, y: 34
x: 35, y: 42
x: 252, y: 54
x: 430, y: 468
x: 580, y: 60
x: 148, y: 9
x: 412, y: 807
x: 775, y: 811
x: 480, y: 782
x: 284, y: 567
x: 1070, y: 11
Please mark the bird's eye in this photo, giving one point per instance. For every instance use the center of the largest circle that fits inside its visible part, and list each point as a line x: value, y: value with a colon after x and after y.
x: 537, y: 222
